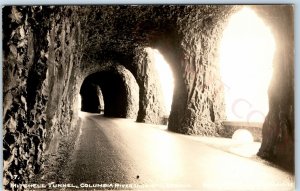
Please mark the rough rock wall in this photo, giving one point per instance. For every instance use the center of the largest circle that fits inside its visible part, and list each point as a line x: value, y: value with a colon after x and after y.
x: 279, y: 126
x: 64, y: 60
x: 151, y: 108
x: 25, y: 62
x: 34, y: 39
x: 132, y: 92
x: 198, y: 105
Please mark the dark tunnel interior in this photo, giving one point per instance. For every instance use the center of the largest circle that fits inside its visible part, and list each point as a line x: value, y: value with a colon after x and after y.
x: 90, y: 97
x: 114, y: 94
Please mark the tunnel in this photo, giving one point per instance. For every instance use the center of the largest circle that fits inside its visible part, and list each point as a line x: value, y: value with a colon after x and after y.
x: 118, y: 90
x: 83, y: 82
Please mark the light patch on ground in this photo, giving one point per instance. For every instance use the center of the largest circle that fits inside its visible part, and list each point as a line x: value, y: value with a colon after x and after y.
x: 236, y: 147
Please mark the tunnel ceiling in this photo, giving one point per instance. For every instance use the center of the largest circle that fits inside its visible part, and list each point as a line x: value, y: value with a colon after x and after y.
x: 111, y: 30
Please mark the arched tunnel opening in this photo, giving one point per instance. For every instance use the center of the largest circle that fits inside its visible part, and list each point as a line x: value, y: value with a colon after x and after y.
x: 246, y: 64
x: 166, y: 80
x: 113, y: 91
x: 246, y: 57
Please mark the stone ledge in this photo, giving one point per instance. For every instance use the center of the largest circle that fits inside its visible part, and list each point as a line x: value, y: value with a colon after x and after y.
x: 231, y: 126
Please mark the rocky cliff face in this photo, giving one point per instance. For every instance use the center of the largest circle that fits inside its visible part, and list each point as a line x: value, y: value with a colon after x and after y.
x: 279, y: 126
x: 39, y: 58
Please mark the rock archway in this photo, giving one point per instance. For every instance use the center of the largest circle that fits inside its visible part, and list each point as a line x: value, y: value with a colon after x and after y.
x: 120, y: 92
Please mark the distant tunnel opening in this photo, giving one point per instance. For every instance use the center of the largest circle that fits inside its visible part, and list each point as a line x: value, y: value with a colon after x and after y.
x: 113, y: 91
x: 91, y: 98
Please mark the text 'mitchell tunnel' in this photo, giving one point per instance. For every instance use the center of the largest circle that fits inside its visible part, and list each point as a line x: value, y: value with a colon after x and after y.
x: 63, y: 62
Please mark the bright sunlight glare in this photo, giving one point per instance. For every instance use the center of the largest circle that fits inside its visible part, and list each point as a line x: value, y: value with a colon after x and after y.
x: 166, y: 79
x: 246, y: 56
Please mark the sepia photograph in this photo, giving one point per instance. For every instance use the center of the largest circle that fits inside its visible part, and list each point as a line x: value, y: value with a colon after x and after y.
x: 148, y: 97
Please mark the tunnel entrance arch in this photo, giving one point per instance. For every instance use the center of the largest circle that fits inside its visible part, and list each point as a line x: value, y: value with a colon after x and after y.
x: 119, y: 90
x: 246, y: 65
x: 246, y: 56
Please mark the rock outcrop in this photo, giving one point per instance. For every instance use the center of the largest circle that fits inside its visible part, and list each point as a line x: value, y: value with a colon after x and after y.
x: 278, y: 134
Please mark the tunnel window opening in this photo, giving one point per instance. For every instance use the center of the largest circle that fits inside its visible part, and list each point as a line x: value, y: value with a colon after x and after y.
x: 166, y: 80
x: 246, y: 56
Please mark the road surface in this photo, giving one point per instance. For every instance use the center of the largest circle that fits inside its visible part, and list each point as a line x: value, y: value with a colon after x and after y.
x: 111, y: 150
